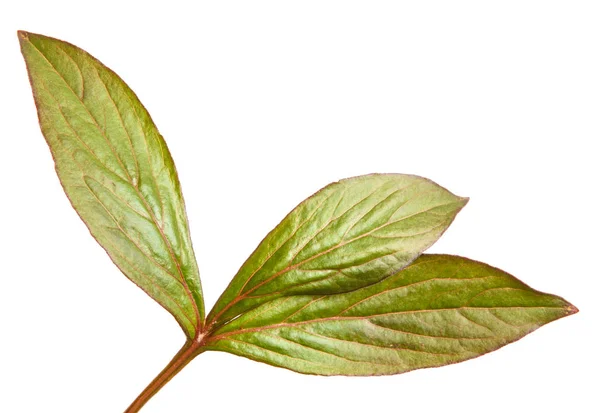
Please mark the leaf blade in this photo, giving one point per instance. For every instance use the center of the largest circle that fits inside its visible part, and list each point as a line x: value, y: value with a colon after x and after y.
x: 437, y: 311
x: 117, y: 172
x: 347, y: 235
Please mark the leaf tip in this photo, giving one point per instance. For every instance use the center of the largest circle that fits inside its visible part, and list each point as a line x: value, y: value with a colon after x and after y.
x: 461, y: 202
x: 571, y: 309
x: 23, y: 37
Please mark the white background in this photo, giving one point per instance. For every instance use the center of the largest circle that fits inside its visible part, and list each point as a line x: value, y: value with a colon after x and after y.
x: 262, y: 103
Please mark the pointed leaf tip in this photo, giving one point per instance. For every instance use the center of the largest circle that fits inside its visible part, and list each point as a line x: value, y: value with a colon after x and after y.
x: 571, y: 309
x: 22, y: 35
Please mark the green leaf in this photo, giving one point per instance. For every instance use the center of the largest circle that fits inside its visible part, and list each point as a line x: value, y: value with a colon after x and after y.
x: 117, y: 172
x: 439, y: 310
x: 350, y: 234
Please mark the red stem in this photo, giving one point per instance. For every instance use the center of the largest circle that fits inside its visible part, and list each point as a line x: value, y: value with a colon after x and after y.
x: 187, y: 353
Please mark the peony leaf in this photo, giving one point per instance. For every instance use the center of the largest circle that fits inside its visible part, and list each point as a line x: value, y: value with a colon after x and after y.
x: 117, y: 172
x: 339, y: 287
x: 440, y: 310
x: 350, y: 234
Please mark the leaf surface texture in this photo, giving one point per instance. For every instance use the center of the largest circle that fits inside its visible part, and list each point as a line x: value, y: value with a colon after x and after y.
x: 117, y: 172
x: 350, y: 234
x: 439, y: 310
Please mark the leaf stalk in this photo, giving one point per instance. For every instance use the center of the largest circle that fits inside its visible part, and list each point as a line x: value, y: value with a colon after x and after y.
x: 188, y: 352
